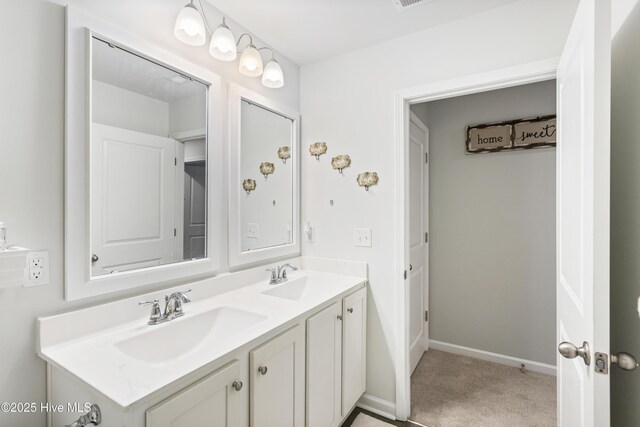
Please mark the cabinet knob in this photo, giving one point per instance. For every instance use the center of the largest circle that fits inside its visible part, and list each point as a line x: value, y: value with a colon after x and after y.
x: 237, y: 385
x: 94, y: 258
x: 350, y: 309
x: 262, y: 370
x: 339, y: 316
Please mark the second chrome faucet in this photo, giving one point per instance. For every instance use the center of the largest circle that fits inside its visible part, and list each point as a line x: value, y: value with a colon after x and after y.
x: 279, y: 274
x: 172, y: 308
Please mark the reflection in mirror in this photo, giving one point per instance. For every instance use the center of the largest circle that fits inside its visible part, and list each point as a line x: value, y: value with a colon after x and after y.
x: 148, y: 162
x: 266, y: 208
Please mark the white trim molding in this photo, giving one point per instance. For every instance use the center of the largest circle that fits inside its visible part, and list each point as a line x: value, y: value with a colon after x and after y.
x: 497, y: 79
x: 378, y: 406
x: 542, y: 368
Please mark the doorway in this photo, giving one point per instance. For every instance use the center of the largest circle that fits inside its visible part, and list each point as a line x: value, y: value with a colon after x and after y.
x: 490, y: 263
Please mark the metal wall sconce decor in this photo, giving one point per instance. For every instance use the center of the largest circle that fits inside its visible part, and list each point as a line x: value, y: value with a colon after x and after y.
x: 317, y: 149
x: 367, y: 179
x: 284, y: 153
x: 267, y: 169
x: 340, y: 162
x: 249, y: 185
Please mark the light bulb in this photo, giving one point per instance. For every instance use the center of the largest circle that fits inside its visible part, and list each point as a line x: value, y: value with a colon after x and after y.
x: 250, y: 62
x: 223, y: 44
x: 273, y: 76
x: 189, y: 28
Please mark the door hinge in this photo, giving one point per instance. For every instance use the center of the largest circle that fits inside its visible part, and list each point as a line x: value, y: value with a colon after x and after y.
x: 426, y: 237
x: 426, y: 315
x: 175, y: 233
x: 405, y: 275
x: 426, y: 157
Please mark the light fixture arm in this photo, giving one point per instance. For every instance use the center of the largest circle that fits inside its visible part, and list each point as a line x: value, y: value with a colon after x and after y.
x: 273, y: 54
x: 204, y: 17
x: 240, y: 38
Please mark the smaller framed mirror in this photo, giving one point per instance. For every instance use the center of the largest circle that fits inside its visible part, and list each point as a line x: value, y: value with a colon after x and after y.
x: 264, y: 179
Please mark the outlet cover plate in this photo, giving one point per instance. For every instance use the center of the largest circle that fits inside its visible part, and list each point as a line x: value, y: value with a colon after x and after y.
x: 252, y: 230
x: 37, y: 272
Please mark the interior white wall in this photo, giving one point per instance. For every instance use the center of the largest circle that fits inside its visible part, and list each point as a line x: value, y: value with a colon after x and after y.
x: 625, y: 208
x: 188, y: 114
x: 492, y: 229
x: 348, y: 101
x: 31, y: 149
x: 121, y: 108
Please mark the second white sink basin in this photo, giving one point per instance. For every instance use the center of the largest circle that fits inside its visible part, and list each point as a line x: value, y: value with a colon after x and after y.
x: 294, y: 290
x: 177, y: 338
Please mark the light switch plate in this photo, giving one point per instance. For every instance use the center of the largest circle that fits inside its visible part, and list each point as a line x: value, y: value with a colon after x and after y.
x: 362, y: 237
x: 37, y: 269
x: 252, y: 230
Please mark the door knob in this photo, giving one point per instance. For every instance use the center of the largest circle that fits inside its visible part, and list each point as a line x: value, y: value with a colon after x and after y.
x: 94, y: 258
x: 624, y: 361
x: 570, y: 351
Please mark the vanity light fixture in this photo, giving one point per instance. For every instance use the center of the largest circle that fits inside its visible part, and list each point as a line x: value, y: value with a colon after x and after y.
x: 284, y: 153
x: 317, y: 149
x: 340, y: 162
x: 249, y: 185
x: 267, y: 169
x: 192, y: 27
x: 367, y: 179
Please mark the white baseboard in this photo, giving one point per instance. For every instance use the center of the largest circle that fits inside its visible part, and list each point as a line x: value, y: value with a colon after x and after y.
x: 530, y: 365
x: 378, y: 406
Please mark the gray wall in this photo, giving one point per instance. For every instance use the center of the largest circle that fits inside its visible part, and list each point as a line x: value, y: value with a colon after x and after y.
x: 492, y: 228
x: 31, y: 158
x: 625, y: 217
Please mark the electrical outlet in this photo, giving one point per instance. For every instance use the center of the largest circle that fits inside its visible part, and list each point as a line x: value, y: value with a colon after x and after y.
x: 38, y: 268
x: 309, y: 233
x: 252, y: 230
x: 362, y: 237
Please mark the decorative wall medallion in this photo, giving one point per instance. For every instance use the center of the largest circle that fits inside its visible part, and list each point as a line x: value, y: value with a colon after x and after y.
x: 267, y: 169
x: 340, y: 162
x: 249, y: 185
x: 367, y: 179
x: 317, y: 149
x: 284, y: 153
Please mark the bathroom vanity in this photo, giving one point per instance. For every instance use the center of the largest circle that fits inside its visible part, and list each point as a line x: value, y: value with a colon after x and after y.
x: 244, y: 353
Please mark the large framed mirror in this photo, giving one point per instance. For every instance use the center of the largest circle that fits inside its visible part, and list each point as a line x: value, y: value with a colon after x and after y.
x: 264, y: 179
x: 142, y: 172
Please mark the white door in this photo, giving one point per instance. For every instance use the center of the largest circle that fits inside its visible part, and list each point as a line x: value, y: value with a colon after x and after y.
x: 132, y: 199
x: 418, y: 220
x: 582, y: 173
x: 354, y: 333
x: 277, y: 381
x: 214, y: 401
x: 324, y: 367
x: 195, y: 209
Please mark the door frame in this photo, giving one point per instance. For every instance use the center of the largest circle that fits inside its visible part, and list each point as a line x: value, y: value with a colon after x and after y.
x: 498, y: 79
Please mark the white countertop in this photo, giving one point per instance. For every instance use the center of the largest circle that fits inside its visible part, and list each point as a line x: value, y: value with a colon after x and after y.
x: 94, y: 354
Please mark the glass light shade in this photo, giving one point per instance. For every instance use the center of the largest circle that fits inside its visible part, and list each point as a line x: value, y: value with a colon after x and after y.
x: 272, y: 76
x: 250, y: 62
x: 223, y: 44
x: 189, y: 28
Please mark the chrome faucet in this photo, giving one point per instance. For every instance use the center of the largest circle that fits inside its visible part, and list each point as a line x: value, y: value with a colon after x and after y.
x: 279, y: 274
x: 172, y: 308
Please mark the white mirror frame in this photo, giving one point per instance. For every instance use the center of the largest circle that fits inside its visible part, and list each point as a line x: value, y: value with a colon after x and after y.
x: 78, y: 280
x: 236, y: 256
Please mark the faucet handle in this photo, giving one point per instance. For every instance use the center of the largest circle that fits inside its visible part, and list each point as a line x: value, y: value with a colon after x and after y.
x: 156, y: 314
x: 274, y: 274
x: 181, y: 295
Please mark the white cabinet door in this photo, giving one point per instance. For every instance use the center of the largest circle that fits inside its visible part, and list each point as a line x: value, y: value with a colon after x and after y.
x: 211, y: 402
x: 324, y: 366
x: 353, y: 348
x: 277, y: 381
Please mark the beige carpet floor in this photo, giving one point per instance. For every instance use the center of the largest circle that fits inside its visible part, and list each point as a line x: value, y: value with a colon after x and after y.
x: 448, y: 390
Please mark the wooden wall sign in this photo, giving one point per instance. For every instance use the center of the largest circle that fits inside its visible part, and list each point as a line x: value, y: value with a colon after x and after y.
x: 511, y: 135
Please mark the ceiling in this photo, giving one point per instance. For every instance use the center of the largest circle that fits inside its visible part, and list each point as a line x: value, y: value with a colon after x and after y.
x: 309, y: 30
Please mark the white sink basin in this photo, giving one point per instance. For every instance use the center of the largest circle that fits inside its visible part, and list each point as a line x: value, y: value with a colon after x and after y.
x: 177, y: 338
x: 294, y: 290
